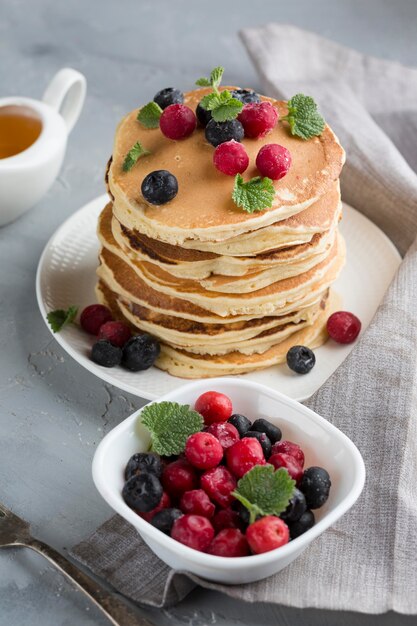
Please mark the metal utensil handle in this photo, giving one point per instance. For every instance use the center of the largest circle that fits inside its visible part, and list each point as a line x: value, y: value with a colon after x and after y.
x: 117, y: 612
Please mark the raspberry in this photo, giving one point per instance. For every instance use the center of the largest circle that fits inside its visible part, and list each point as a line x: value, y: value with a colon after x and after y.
x: 178, y: 477
x: 288, y: 447
x: 229, y: 542
x: 230, y: 158
x: 194, y: 531
x: 266, y: 534
x: 343, y: 326
x: 289, y: 463
x: 258, y: 119
x: 214, y: 407
x: 177, y: 121
x: 219, y: 483
x: 273, y: 161
x: 225, y: 432
x: 93, y: 317
x: 118, y: 333
x: 244, y: 455
x: 165, y: 503
x: 227, y: 518
x: 197, y: 502
x: 203, y: 450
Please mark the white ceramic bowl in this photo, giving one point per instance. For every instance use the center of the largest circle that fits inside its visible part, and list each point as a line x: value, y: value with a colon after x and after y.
x: 323, y: 445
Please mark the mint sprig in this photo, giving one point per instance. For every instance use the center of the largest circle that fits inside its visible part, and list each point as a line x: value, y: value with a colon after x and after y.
x: 59, y: 318
x: 133, y: 155
x: 170, y: 425
x: 149, y: 115
x: 257, y: 194
x: 304, y: 119
x: 222, y: 105
x: 265, y: 491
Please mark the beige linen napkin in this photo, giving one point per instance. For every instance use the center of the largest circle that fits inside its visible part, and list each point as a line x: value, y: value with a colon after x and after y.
x: 368, y: 560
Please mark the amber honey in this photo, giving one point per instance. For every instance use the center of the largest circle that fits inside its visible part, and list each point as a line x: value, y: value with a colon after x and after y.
x: 20, y: 126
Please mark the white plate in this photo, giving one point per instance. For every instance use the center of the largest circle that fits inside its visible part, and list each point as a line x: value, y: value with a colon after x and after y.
x: 66, y: 276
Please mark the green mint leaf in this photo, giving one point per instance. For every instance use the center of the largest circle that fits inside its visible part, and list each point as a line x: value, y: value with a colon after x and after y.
x: 216, y: 76
x: 265, y: 491
x: 133, y: 155
x: 203, y: 82
x: 304, y: 119
x: 257, y: 194
x: 149, y: 115
x: 60, y: 318
x: 222, y: 106
x: 170, y: 425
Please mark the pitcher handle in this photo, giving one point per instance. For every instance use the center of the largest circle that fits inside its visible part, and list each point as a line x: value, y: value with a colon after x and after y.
x: 66, y: 93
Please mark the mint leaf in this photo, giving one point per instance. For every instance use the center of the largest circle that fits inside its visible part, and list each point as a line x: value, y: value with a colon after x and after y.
x: 149, y: 115
x: 257, y: 194
x: 222, y: 106
x: 59, y: 318
x: 170, y: 425
x: 214, y: 80
x: 133, y: 155
x: 203, y: 82
x: 304, y: 119
x: 264, y: 491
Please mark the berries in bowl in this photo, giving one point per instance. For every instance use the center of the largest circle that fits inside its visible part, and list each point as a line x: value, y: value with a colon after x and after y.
x: 184, y: 531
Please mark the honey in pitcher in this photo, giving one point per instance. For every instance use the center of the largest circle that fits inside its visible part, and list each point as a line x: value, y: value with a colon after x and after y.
x: 20, y: 126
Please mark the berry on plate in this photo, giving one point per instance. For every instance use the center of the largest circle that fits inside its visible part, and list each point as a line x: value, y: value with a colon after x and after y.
x: 163, y: 520
x: 159, y: 187
x: 143, y: 492
x: 118, y: 333
x: 168, y: 96
x: 218, y: 483
x: 106, y: 354
x: 288, y: 447
x: 244, y: 455
x: 140, y: 352
x: 304, y: 523
x: 219, y: 132
x: 179, y: 477
x: 197, y: 502
x: 273, y: 161
x: 267, y: 533
x: 258, y: 119
x: 343, y: 327
x: 241, y: 423
x: 229, y: 542
x: 203, y: 450
x: 315, y: 485
x: 194, y: 531
x: 289, y: 463
x: 177, y: 121
x: 143, y: 462
x: 93, y: 317
x: 231, y: 158
x: 225, y: 432
x: 301, y: 359
x: 214, y: 407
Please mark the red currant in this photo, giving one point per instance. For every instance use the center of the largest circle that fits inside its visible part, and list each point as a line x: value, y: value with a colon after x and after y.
x: 230, y: 158
x: 177, y: 121
x: 214, y: 407
x: 93, y: 317
x: 288, y: 447
x: 266, y: 534
x: 219, y: 483
x: 197, y: 502
x: 165, y: 503
x: 288, y: 462
x: 244, y: 455
x: 225, y: 432
x: 229, y: 542
x: 273, y: 161
x: 194, y: 531
x: 178, y: 477
x: 227, y: 518
x: 203, y: 450
x: 343, y: 326
x: 118, y: 333
x: 258, y: 119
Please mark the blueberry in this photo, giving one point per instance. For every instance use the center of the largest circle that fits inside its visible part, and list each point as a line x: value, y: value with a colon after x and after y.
x: 163, y: 520
x: 300, y: 359
x: 247, y: 96
x: 263, y: 426
x: 203, y: 115
x: 303, y: 524
x: 168, y: 96
x: 143, y: 492
x: 263, y: 440
x: 296, y: 508
x: 315, y: 485
x: 242, y: 511
x: 240, y: 422
x: 219, y: 132
x: 140, y: 352
x: 143, y: 462
x: 105, y: 353
x: 159, y: 187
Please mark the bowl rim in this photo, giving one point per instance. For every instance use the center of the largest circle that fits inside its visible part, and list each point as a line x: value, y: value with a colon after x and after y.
x: 296, y: 545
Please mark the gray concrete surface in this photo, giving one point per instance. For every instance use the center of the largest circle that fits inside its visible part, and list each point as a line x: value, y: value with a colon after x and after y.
x: 53, y: 413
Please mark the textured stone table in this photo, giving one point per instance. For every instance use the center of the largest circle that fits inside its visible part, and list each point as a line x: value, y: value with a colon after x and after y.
x: 52, y: 412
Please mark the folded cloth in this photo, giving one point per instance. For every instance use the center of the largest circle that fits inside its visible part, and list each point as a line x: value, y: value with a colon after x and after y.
x: 368, y: 560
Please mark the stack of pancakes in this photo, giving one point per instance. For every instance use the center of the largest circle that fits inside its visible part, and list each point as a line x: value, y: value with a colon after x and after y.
x: 225, y: 291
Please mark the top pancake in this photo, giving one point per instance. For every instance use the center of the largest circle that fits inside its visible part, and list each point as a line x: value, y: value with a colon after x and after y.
x: 203, y: 208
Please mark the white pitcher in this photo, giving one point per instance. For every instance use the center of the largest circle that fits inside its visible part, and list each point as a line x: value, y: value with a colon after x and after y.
x: 27, y: 176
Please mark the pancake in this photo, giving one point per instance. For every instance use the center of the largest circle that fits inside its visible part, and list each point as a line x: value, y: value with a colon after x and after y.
x: 203, y: 209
